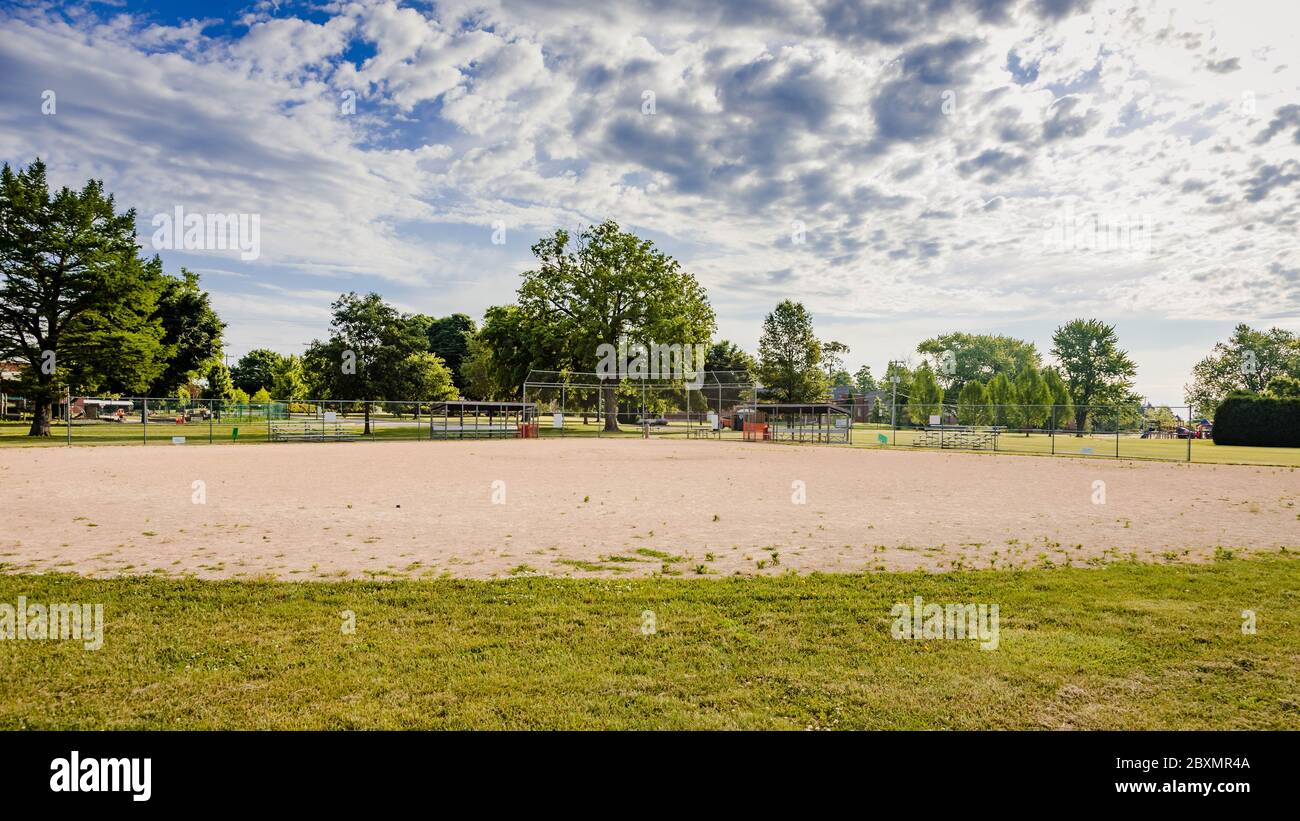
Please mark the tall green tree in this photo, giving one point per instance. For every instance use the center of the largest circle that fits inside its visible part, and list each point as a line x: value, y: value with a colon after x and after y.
x: 77, y: 302
x: 840, y: 379
x: 833, y: 360
x: 976, y: 356
x: 254, y: 370
x: 499, y: 357
x: 790, y: 355
x: 863, y: 381
x: 449, y: 339
x: 607, y: 285
x: 926, y: 396
x: 725, y: 355
x: 191, y: 331
x: 1248, y: 360
x: 1034, y: 399
x: 288, y: 380
x: 220, y: 385
x: 425, y: 378
x: 366, y: 356
x: 1062, y: 406
x: 973, y: 404
x: 1096, y: 370
x: 1001, y: 395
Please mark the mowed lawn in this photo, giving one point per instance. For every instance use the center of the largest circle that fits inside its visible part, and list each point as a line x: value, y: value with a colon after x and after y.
x: 256, y: 431
x: 1128, y: 646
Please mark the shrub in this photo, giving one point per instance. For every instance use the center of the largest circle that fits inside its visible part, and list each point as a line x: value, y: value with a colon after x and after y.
x: 1259, y: 421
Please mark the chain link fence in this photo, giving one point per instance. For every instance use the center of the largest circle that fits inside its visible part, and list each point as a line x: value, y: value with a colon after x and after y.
x: 85, y: 420
x: 1129, y: 431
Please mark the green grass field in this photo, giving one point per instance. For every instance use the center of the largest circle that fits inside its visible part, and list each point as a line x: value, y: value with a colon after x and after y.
x: 1126, y: 647
x: 405, y: 429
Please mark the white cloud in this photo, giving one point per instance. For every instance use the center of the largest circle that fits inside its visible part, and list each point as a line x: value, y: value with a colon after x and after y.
x: 828, y: 114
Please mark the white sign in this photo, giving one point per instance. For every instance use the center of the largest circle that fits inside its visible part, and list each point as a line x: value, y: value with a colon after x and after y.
x: 713, y: 421
x: 178, y: 440
x: 934, y: 420
x: 331, y: 416
x: 557, y: 420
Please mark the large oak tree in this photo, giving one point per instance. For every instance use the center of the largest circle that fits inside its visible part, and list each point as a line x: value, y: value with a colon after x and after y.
x: 606, y: 285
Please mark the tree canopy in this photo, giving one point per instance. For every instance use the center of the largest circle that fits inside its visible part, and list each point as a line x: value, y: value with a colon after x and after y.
x: 254, y: 369
x: 80, y: 309
x: 790, y: 355
x: 368, y: 355
x: 191, y: 332
x: 603, y: 287
x: 1249, y: 360
x: 449, y: 340
x: 725, y: 355
x: 976, y: 357
x: 925, y: 399
x: 1095, y: 369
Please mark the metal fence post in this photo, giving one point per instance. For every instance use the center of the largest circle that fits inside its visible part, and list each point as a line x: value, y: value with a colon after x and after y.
x: 1053, y: 431
x: 733, y: 416
x: 144, y: 416
x: 1116, y: 434
x: 67, y: 418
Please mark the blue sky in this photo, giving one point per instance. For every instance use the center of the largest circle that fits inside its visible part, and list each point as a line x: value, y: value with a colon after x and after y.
x: 903, y: 168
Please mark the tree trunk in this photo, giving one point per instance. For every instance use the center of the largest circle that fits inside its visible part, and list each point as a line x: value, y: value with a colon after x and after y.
x: 43, y: 398
x: 611, y: 411
x: 1080, y: 416
x: 40, y: 419
x: 367, y: 431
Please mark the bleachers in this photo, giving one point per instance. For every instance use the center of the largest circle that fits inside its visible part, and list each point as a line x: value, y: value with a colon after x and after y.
x: 457, y: 431
x: 311, y: 430
x: 962, y: 437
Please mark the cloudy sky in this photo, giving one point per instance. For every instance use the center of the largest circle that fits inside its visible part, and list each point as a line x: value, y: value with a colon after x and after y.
x: 903, y: 167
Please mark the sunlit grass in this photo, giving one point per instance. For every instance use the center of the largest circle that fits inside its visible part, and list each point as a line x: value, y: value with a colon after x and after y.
x: 1128, y: 646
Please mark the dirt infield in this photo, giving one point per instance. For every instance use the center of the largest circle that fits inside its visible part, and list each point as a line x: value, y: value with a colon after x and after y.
x: 613, y: 507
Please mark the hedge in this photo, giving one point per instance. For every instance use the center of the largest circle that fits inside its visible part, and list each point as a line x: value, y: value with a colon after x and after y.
x: 1259, y: 420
